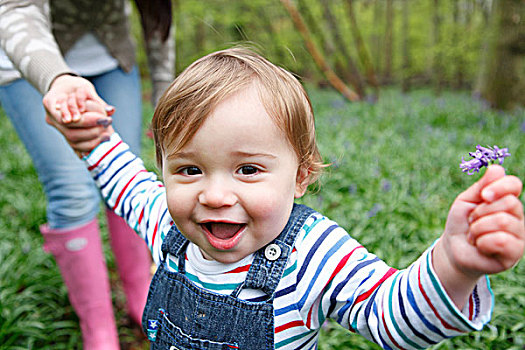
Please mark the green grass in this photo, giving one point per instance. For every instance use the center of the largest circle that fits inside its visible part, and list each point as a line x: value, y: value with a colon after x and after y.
x: 395, y: 173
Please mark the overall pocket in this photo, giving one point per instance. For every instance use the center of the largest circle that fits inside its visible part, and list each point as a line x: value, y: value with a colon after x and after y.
x: 170, y: 337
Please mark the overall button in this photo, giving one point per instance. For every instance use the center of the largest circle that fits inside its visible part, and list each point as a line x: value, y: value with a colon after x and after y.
x: 272, y: 252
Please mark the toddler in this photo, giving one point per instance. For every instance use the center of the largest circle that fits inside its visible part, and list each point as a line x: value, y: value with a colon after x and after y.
x: 240, y: 266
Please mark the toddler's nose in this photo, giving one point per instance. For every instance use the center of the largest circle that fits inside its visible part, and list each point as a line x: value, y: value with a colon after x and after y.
x: 216, y: 195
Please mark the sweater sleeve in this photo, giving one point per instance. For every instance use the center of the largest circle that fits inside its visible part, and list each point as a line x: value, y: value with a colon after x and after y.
x: 397, y: 309
x: 27, y: 39
x: 131, y: 191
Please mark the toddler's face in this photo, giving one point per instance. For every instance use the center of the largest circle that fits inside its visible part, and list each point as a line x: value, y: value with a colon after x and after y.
x: 231, y: 189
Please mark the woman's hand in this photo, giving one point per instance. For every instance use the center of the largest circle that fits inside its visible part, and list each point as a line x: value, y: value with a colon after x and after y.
x: 93, y: 127
x: 66, y: 99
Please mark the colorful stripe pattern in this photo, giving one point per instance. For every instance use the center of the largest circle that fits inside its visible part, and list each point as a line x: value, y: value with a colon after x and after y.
x: 329, y: 274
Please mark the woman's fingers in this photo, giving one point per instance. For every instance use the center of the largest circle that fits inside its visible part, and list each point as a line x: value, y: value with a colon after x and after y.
x: 86, y: 134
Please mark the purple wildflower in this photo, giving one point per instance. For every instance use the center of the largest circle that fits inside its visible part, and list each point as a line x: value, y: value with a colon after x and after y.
x: 500, y: 154
x: 386, y: 185
x: 471, y: 166
x: 375, y: 209
x: 483, y: 156
x: 485, y: 151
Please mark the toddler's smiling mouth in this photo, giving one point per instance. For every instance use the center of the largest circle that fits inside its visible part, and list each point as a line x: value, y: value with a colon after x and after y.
x: 222, y: 230
x: 223, y: 235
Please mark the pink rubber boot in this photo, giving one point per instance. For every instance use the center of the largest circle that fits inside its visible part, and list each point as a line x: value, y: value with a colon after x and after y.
x: 79, y: 256
x: 133, y: 260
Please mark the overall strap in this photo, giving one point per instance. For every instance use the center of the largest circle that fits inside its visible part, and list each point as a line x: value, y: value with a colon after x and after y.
x: 270, y: 261
x: 175, y: 244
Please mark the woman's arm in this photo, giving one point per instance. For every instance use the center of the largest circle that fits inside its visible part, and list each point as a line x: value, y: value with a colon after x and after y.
x: 27, y: 39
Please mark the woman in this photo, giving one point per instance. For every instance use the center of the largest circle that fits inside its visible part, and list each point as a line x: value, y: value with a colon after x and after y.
x: 54, y: 48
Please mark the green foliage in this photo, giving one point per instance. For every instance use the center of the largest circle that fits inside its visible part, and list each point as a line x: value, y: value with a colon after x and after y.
x: 202, y: 27
x: 395, y: 172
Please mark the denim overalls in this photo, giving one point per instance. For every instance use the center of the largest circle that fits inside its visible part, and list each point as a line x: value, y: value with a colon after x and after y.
x: 180, y: 315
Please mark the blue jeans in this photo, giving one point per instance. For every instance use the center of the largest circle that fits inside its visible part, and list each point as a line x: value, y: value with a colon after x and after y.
x: 73, y: 198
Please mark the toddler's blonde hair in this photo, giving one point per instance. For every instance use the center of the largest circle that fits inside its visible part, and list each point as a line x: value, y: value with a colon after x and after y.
x: 210, y: 80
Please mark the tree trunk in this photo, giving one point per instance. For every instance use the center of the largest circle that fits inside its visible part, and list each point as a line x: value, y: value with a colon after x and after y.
x: 200, y: 35
x: 405, y: 80
x: 319, y: 59
x: 389, y: 42
x: 343, y: 59
x: 375, y: 38
x: 318, y: 33
x: 502, y: 85
x: 270, y: 34
x: 364, y: 56
x: 437, y: 57
x: 462, y: 23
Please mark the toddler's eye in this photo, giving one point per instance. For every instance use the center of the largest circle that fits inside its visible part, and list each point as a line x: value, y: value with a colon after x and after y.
x: 248, y: 170
x: 190, y: 171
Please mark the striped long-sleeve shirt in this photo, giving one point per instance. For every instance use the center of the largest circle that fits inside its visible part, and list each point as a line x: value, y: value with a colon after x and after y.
x: 328, y: 275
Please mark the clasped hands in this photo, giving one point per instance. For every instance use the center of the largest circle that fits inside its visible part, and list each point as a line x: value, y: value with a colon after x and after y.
x: 77, y: 111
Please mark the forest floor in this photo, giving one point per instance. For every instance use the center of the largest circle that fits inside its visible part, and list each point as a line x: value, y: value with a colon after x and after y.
x: 394, y: 174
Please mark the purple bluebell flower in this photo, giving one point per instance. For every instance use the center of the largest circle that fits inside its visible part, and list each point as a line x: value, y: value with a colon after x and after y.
x: 386, y: 185
x: 483, y: 156
x: 338, y: 103
x: 500, y: 154
x: 485, y: 151
x: 375, y: 209
x: 471, y: 166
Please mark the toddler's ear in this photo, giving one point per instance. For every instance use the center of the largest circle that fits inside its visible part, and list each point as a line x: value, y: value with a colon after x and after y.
x: 302, y: 181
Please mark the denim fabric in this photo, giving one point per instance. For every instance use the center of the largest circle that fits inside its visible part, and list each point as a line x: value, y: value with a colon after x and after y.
x: 180, y: 315
x: 73, y: 198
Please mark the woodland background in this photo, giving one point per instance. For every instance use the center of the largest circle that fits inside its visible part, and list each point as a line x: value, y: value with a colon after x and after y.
x: 359, y: 46
x: 401, y: 91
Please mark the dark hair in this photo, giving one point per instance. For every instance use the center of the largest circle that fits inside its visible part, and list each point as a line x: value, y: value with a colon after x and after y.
x: 156, y: 16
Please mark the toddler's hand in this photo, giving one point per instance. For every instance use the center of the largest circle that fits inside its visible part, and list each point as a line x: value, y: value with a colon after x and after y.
x: 93, y: 126
x: 484, y: 233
